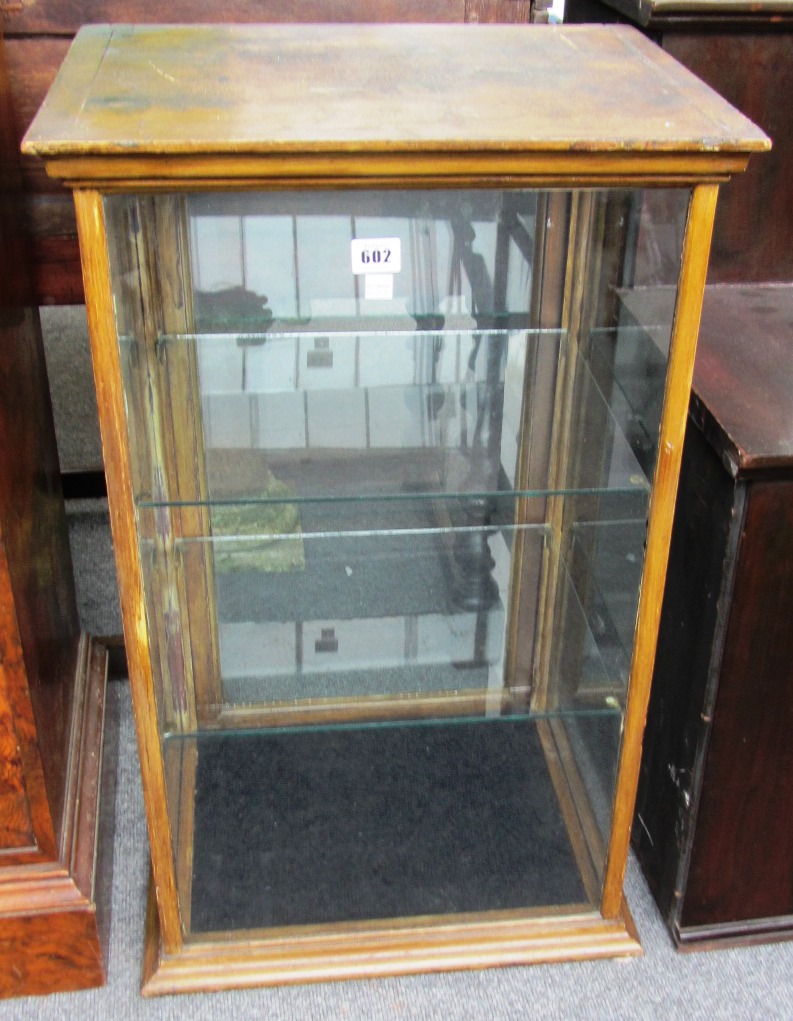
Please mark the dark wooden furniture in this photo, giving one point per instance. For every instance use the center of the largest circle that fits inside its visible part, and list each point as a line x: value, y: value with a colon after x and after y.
x: 53, y: 926
x: 744, y: 51
x: 714, y: 828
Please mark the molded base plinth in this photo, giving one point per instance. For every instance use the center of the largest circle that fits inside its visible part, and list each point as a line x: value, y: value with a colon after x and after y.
x: 54, y: 916
x: 370, y: 952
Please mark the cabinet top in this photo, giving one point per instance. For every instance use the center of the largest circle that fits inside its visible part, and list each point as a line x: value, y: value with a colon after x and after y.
x: 210, y: 91
x: 741, y: 393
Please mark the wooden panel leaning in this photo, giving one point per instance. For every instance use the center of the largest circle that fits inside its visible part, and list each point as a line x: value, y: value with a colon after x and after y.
x: 353, y: 767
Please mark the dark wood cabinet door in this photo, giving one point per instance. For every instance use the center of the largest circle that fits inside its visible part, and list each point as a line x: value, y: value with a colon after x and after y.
x: 742, y: 859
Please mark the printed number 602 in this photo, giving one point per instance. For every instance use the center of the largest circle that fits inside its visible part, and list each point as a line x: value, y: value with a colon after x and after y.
x: 376, y: 255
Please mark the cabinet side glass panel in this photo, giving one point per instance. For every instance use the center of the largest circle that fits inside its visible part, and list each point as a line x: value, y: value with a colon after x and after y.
x: 391, y: 455
x: 616, y: 385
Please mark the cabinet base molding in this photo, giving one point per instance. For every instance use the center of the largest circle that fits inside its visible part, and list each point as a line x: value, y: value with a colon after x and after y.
x: 728, y: 935
x: 54, y: 915
x: 365, y: 952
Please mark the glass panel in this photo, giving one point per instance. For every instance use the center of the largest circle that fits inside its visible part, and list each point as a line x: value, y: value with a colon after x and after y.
x: 391, y: 457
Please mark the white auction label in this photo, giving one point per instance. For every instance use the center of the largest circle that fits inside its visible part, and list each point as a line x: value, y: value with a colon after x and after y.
x: 376, y: 255
x: 378, y: 286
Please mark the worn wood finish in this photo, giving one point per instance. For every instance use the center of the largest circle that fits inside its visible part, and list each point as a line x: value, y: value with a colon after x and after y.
x: 742, y: 858
x: 55, y: 251
x: 111, y: 103
x: 741, y: 399
x: 370, y: 952
x: 713, y: 826
x: 103, y: 140
x: 695, y: 588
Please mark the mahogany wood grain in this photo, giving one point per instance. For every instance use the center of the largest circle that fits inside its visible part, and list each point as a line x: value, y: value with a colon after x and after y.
x: 40, y: 634
x: 66, y: 17
x: 753, y: 69
x: 679, y: 699
x: 32, y: 66
x: 54, y: 912
x: 742, y: 389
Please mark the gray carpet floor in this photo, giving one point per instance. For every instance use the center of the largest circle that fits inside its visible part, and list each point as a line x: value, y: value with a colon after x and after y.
x: 750, y: 984
x: 747, y: 984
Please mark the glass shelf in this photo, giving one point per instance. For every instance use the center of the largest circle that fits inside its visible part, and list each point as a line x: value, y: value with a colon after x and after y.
x: 633, y: 493
x: 350, y: 615
x: 633, y: 362
x: 374, y: 624
x: 364, y: 435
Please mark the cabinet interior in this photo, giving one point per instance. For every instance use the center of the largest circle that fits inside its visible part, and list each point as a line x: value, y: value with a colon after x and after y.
x: 391, y: 532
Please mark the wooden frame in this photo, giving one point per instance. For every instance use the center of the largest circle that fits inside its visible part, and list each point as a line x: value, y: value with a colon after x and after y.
x: 324, y: 149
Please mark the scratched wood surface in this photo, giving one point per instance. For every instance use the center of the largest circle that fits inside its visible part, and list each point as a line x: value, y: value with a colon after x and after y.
x: 276, y: 89
x: 742, y: 390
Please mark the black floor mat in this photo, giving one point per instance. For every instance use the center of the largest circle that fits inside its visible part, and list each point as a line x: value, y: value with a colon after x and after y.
x: 304, y: 827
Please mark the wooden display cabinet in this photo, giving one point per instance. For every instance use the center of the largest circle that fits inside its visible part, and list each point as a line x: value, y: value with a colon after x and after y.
x: 393, y: 363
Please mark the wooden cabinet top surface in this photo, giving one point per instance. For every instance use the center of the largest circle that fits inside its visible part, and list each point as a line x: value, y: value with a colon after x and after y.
x: 743, y: 395
x: 204, y: 90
